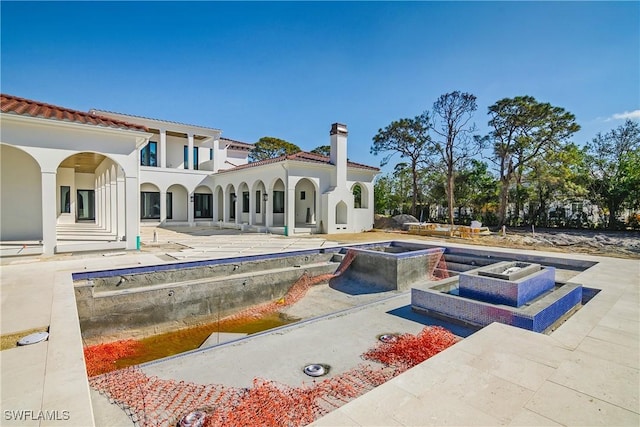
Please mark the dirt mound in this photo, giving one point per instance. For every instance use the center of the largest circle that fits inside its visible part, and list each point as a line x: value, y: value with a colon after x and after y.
x: 402, y: 219
x: 583, y: 241
x: 382, y: 222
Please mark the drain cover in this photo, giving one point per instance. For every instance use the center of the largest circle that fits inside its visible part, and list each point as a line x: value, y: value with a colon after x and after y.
x: 388, y: 337
x: 34, y: 338
x: 193, y: 419
x: 315, y: 370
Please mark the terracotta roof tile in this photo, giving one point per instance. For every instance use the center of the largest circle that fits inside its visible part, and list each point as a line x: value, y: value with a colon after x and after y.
x: 25, y: 107
x: 301, y: 156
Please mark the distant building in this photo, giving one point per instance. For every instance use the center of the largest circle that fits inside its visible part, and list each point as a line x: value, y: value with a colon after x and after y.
x: 88, y: 180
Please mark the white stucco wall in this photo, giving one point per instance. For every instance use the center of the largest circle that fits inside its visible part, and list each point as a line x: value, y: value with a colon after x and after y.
x: 49, y: 142
x: 237, y: 157
x: 20, y: 187
x: 180, y: 198
x: 308, y: 177
x: 175, y: 152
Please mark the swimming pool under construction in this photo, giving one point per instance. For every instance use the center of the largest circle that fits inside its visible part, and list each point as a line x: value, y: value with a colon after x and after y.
x: 329, y: 307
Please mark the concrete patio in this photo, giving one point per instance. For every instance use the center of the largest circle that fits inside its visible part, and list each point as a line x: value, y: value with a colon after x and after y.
x: 584, y: 373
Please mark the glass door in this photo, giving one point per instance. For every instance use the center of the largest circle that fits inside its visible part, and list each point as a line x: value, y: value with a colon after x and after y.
x: 86, y: 205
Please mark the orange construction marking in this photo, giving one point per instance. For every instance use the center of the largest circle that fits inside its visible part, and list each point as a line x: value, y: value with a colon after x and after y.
x: 151, y: 401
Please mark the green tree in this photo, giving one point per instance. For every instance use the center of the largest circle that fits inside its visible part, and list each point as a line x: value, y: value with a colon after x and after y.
x: 323, y: 150
x: 401, y: 187
x: 409, y: 138
x: 614, y: 162
x: 269, y: 147
x: 557, y: 176
x: 524, y: 129
x: 383, y: 194
x: 476, y: 188
x: 455, y: 142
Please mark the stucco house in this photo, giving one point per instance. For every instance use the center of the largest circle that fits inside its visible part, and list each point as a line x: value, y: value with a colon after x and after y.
x: 73, y: 180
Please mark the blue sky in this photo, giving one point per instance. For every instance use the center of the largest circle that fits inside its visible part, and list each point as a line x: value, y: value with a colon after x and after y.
x: 290, y: 69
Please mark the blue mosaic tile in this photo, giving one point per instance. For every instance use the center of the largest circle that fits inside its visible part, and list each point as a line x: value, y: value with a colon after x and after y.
x: 514, y: 293
x: 537, y: 317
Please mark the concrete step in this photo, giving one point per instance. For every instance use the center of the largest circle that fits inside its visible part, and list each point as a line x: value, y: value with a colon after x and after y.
x: 454, y: 266
x: 473, y: 260
x: 31, y: 248
x: 302, y: 231
x: 80, y: 246
x: 221, y: 337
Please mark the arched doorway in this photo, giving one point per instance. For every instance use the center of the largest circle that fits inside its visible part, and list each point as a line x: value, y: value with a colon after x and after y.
x: 203, y: 203
x: 149, y: 202
x: 305, y: 203
x: 88, y: 181
x: 278, y: 203
x: 177, y: 203
x: 243, y: 203
x: 261, y: 197
x: 230, y: 203
x: 21, y: 189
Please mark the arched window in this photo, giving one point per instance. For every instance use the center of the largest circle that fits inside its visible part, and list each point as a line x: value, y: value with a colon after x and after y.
x: 360, y: 196
x: 357, y: 196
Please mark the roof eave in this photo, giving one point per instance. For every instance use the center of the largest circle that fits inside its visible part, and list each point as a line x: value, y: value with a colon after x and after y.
x: 140, y: 135
x: 161, y: 124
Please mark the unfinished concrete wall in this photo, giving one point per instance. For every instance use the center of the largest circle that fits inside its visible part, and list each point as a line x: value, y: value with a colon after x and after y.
x: 395, y: 267
x: 106, y: 309
x: 124, y: 281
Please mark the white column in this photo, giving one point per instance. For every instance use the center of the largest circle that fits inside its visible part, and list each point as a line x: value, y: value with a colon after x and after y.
x: 216, y: 155
x: 113, y: 205
x: 98, y: 201
x: 190, y: 150
x: 268, y: 210
x: 49, y: 239
x: 120, y: 184
x: 252, y: 206
x: 190, y: 209
x: 290, y: 209
x: 107, y: 201
x: 237, y: 211
x: 103, y: 202
x: 163, y: 148
x: 225, y: 206
x: 132, y: 211
x: 163, y: 206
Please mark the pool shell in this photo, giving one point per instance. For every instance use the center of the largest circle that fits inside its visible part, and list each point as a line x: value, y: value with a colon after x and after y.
x: 153, y: 299
x: 158, y: 298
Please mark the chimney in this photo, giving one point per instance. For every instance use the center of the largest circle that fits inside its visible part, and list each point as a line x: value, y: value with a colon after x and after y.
x: 338, y: 154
